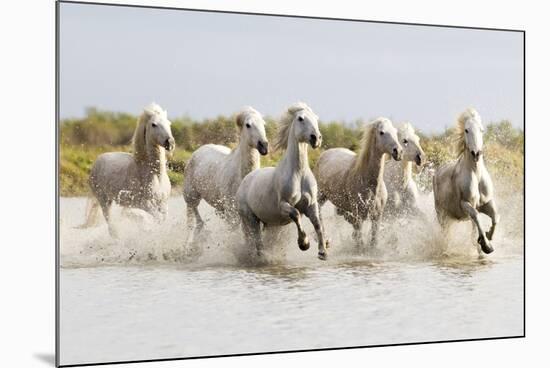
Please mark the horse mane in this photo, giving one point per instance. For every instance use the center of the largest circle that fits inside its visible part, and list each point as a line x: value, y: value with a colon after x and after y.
x: 139, y: 140
x: 244, y: 113
x: 457, y: 137
x: 405, y: 128
x: 367, y: 139
x: 281, y: 140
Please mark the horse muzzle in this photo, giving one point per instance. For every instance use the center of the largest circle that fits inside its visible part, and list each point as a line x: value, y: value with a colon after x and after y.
x: 315, y: 141
x: 476, y: 155
x: 397, y: 154
x: 263, y: 148
x: 419, y: 159
x: 169, y: 144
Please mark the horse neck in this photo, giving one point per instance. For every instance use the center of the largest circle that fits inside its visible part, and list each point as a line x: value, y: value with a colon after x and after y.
x: 468, y: 163
x: 155, y: 159
x: 406, y: 172
x: 296, y: 154
x: 371, y: 172
x: 248, y: 158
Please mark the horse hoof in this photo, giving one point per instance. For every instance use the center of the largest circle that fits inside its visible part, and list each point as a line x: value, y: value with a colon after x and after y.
x: 304, y: 244
x: 322, y: 256
x: 486, y: 247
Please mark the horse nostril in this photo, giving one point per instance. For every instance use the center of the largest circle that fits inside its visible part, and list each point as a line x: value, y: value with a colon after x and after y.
x: 169, y: 143
x: 263, y: 147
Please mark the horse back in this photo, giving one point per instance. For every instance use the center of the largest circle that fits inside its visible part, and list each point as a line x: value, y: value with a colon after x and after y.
x: 258, y: 194
x: 112, y: 173
x: 203, y: 170
x: 333, y: 167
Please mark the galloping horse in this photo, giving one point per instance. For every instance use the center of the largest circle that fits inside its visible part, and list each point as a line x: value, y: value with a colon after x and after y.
x: 275, y: 196
x: 215, y: 172
x: 463, y: 188
x: 137, y: 180
x: 354, y: 183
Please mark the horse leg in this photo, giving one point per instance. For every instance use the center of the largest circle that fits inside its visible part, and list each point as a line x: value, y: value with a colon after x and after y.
x: 321, y: 199
x: 474, y: 240
x: 357, y: 234
x: 474, y: 215
x: 194, y: 219
x: 294, y: 214
x: 252, y: 230
x: 314, y: 215
x: 106, y: 209
x: 443, y: 221
x: 375, y: 224
x: 490, y: 210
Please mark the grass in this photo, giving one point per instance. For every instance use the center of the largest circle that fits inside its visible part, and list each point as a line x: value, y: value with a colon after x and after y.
x: 84, y: 139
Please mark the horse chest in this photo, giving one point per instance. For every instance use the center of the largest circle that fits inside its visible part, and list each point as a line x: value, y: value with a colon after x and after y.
x: 297, y: 192
x: 470, y: 190
x: 291, y: 193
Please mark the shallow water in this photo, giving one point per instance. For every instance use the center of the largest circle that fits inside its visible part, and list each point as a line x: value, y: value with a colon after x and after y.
x: 140, y: 297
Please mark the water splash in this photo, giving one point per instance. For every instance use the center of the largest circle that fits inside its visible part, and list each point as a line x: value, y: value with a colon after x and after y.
x: 142, y: 241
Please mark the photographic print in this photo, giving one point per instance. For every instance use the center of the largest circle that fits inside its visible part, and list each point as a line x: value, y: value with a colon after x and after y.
x: 233, y: 183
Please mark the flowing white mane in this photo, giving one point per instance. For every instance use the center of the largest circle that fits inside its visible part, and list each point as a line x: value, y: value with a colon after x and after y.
x: 457, y: 138
x: 244, y: 113
x: 139, y: 139
x: 367, y: 139
x: 285, y: 123
x: 155, y: 109
x: 406, y: 130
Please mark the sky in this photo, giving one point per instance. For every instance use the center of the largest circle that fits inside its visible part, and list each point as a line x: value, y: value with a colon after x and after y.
x: 204, y: 64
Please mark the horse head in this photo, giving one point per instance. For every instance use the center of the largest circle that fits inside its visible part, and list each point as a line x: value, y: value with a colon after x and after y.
x: 252, y: 127
x: 412, y: 151
x: 158, y: 130
x: 385, y: 138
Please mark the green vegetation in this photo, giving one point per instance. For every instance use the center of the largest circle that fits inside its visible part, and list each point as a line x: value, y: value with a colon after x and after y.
x: 82, y: 140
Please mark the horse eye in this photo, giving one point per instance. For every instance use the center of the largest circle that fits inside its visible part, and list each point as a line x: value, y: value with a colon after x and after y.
x: 248, y: 125
x: 466, y: 131
x: 381, y: 133
x: 154, y: 125
x: 300, y: 118
x: 405, y: 141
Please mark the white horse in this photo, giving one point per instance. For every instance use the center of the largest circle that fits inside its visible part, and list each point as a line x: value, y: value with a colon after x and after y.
x: 463, y: 188
x: 275, y: 196
x: 402, y: 189
x: 214, y: 172
x: 137, y: 180
x: 354, y: 183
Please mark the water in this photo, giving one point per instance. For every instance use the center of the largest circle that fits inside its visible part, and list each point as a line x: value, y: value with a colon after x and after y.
x: 141, y: 297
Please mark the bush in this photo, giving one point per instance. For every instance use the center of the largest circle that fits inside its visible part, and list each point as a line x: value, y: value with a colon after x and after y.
x: 82, y: 140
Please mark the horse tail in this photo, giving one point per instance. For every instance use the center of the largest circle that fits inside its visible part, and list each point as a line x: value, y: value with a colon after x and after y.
x: 93, y: 214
